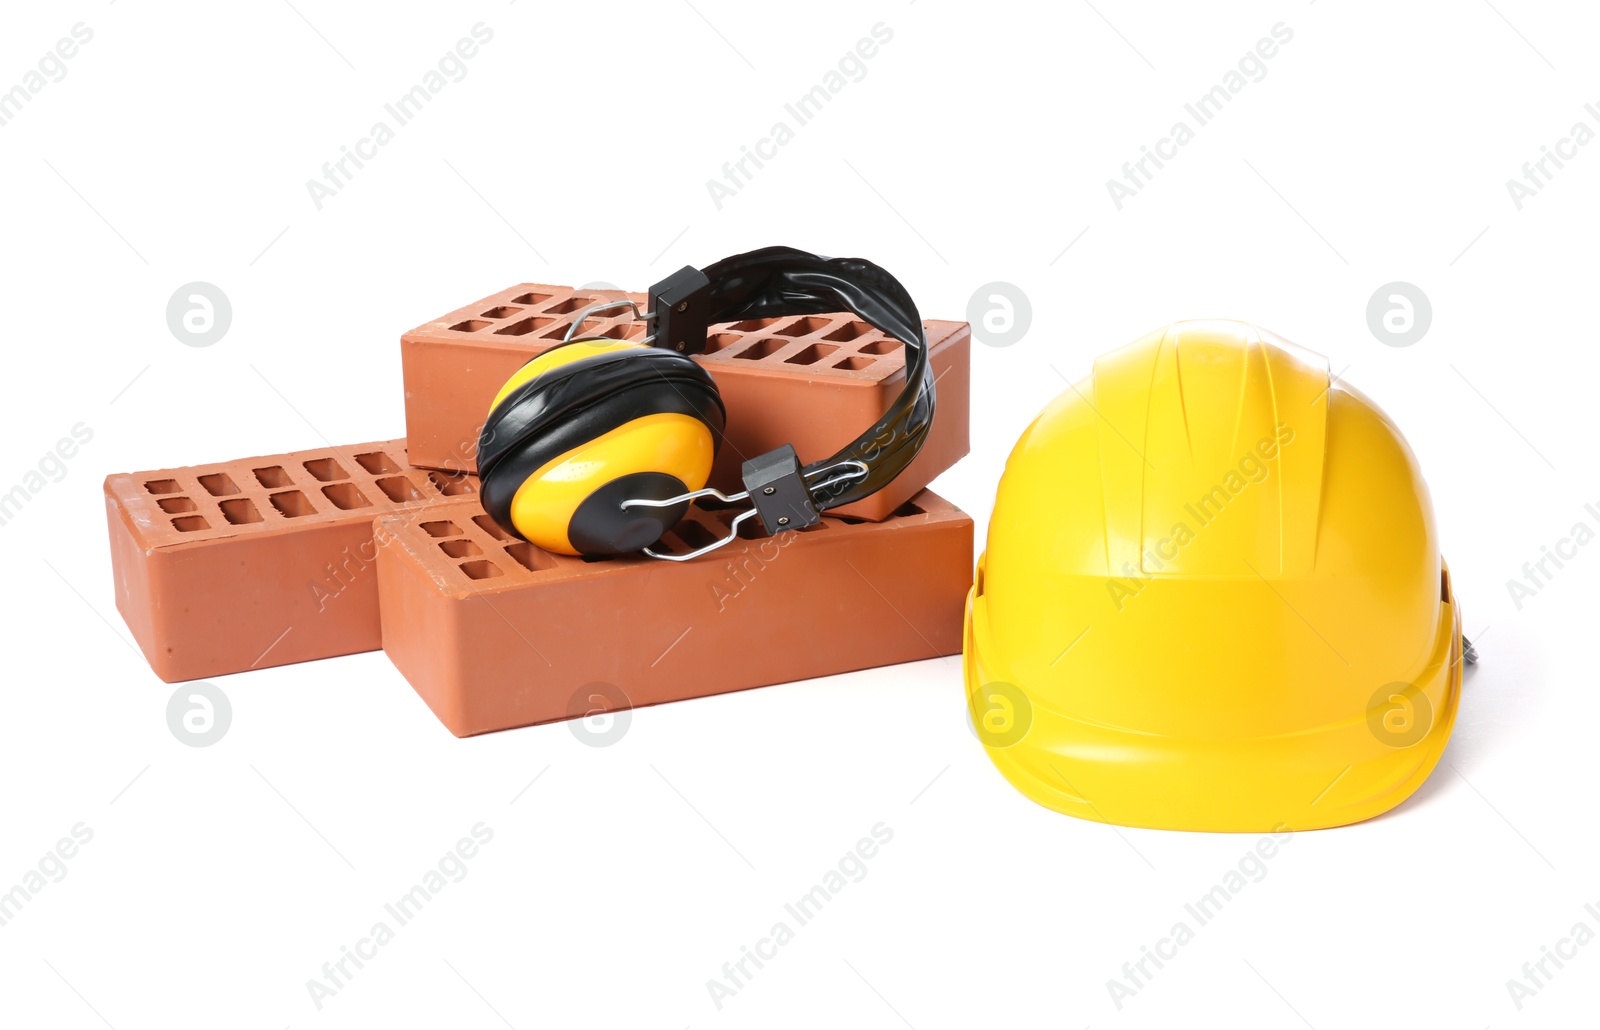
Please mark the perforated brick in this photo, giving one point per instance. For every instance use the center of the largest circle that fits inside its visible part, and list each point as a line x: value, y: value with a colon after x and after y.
x: 494, y: 633
x: 816, y: 381
x: 262, y: 561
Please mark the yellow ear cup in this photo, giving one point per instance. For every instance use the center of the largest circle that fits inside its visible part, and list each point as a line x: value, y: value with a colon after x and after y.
x: 545, y: 509
x: 587, y: 426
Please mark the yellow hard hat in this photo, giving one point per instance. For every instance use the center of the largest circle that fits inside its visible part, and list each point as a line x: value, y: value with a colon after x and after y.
x: 1212, y: 596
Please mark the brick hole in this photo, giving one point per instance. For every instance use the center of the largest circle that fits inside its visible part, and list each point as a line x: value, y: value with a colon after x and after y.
x: 442, y: 528
x: 481, y: 569
x: 571, y: 304
x: 219, y: 484
x: 694, y: 534
x: 531, y: 298
x: 325, y: 470
x: 764, y: 348
x: 855, y: 363
x: 239, y: 511
x: 849, y: 331
x: 377, y: 463
x: 190, y: 523
x: 754, y: 325
x: 272, y: 477
x: 400, y: 489
x: 345, y: 496
x: 529, y: 556
x: 721, y: 341
x: 804, y: 326
x: 524, y: 327
x: 909, y: 508
x: 452, y: 484
x: 163, y: 486
x: 635, y: 330
x: 471, y: 325
x: 503, y: 311
x: 812, y: 354
x: 171, y: 505
x: 460, y: 548
x: 750, y: 529
x: 883, y: 346
x: 293, y: 504
x: 490, y: 526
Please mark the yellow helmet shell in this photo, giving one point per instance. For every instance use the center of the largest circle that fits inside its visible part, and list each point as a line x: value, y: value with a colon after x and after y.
x: 1212, y: 596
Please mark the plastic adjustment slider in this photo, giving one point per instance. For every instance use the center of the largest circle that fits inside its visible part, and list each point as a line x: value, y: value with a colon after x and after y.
x: 680, y: 307
x: 778, y: 490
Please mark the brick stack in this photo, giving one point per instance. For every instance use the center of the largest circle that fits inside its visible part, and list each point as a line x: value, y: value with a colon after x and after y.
x: 291, y: 557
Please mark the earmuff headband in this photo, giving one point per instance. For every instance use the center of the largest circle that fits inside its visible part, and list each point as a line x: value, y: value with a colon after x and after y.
x: 778, y: 281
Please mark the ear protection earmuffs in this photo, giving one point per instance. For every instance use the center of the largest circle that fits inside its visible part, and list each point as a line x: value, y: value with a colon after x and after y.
x: 598, y: 446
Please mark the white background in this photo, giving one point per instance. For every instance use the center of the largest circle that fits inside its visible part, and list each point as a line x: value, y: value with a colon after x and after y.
x: 975, y: 149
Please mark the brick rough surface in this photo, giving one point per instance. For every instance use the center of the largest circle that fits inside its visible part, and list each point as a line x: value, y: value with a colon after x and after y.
x: 262, y: 561
x: 494, y: 633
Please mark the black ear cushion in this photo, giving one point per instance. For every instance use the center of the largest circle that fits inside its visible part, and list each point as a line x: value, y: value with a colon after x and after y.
x: 570, y: 389
x: 572, y: 404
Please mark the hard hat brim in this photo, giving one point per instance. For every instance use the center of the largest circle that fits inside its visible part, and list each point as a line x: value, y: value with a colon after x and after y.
x: 1313, y: 779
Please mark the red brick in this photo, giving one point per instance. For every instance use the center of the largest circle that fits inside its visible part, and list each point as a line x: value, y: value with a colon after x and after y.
x: 262, y: 561
x: 816, y: 381
x: 494, y: 633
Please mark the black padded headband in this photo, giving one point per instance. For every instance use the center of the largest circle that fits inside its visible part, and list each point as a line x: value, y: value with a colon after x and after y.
x: 778, y: 281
